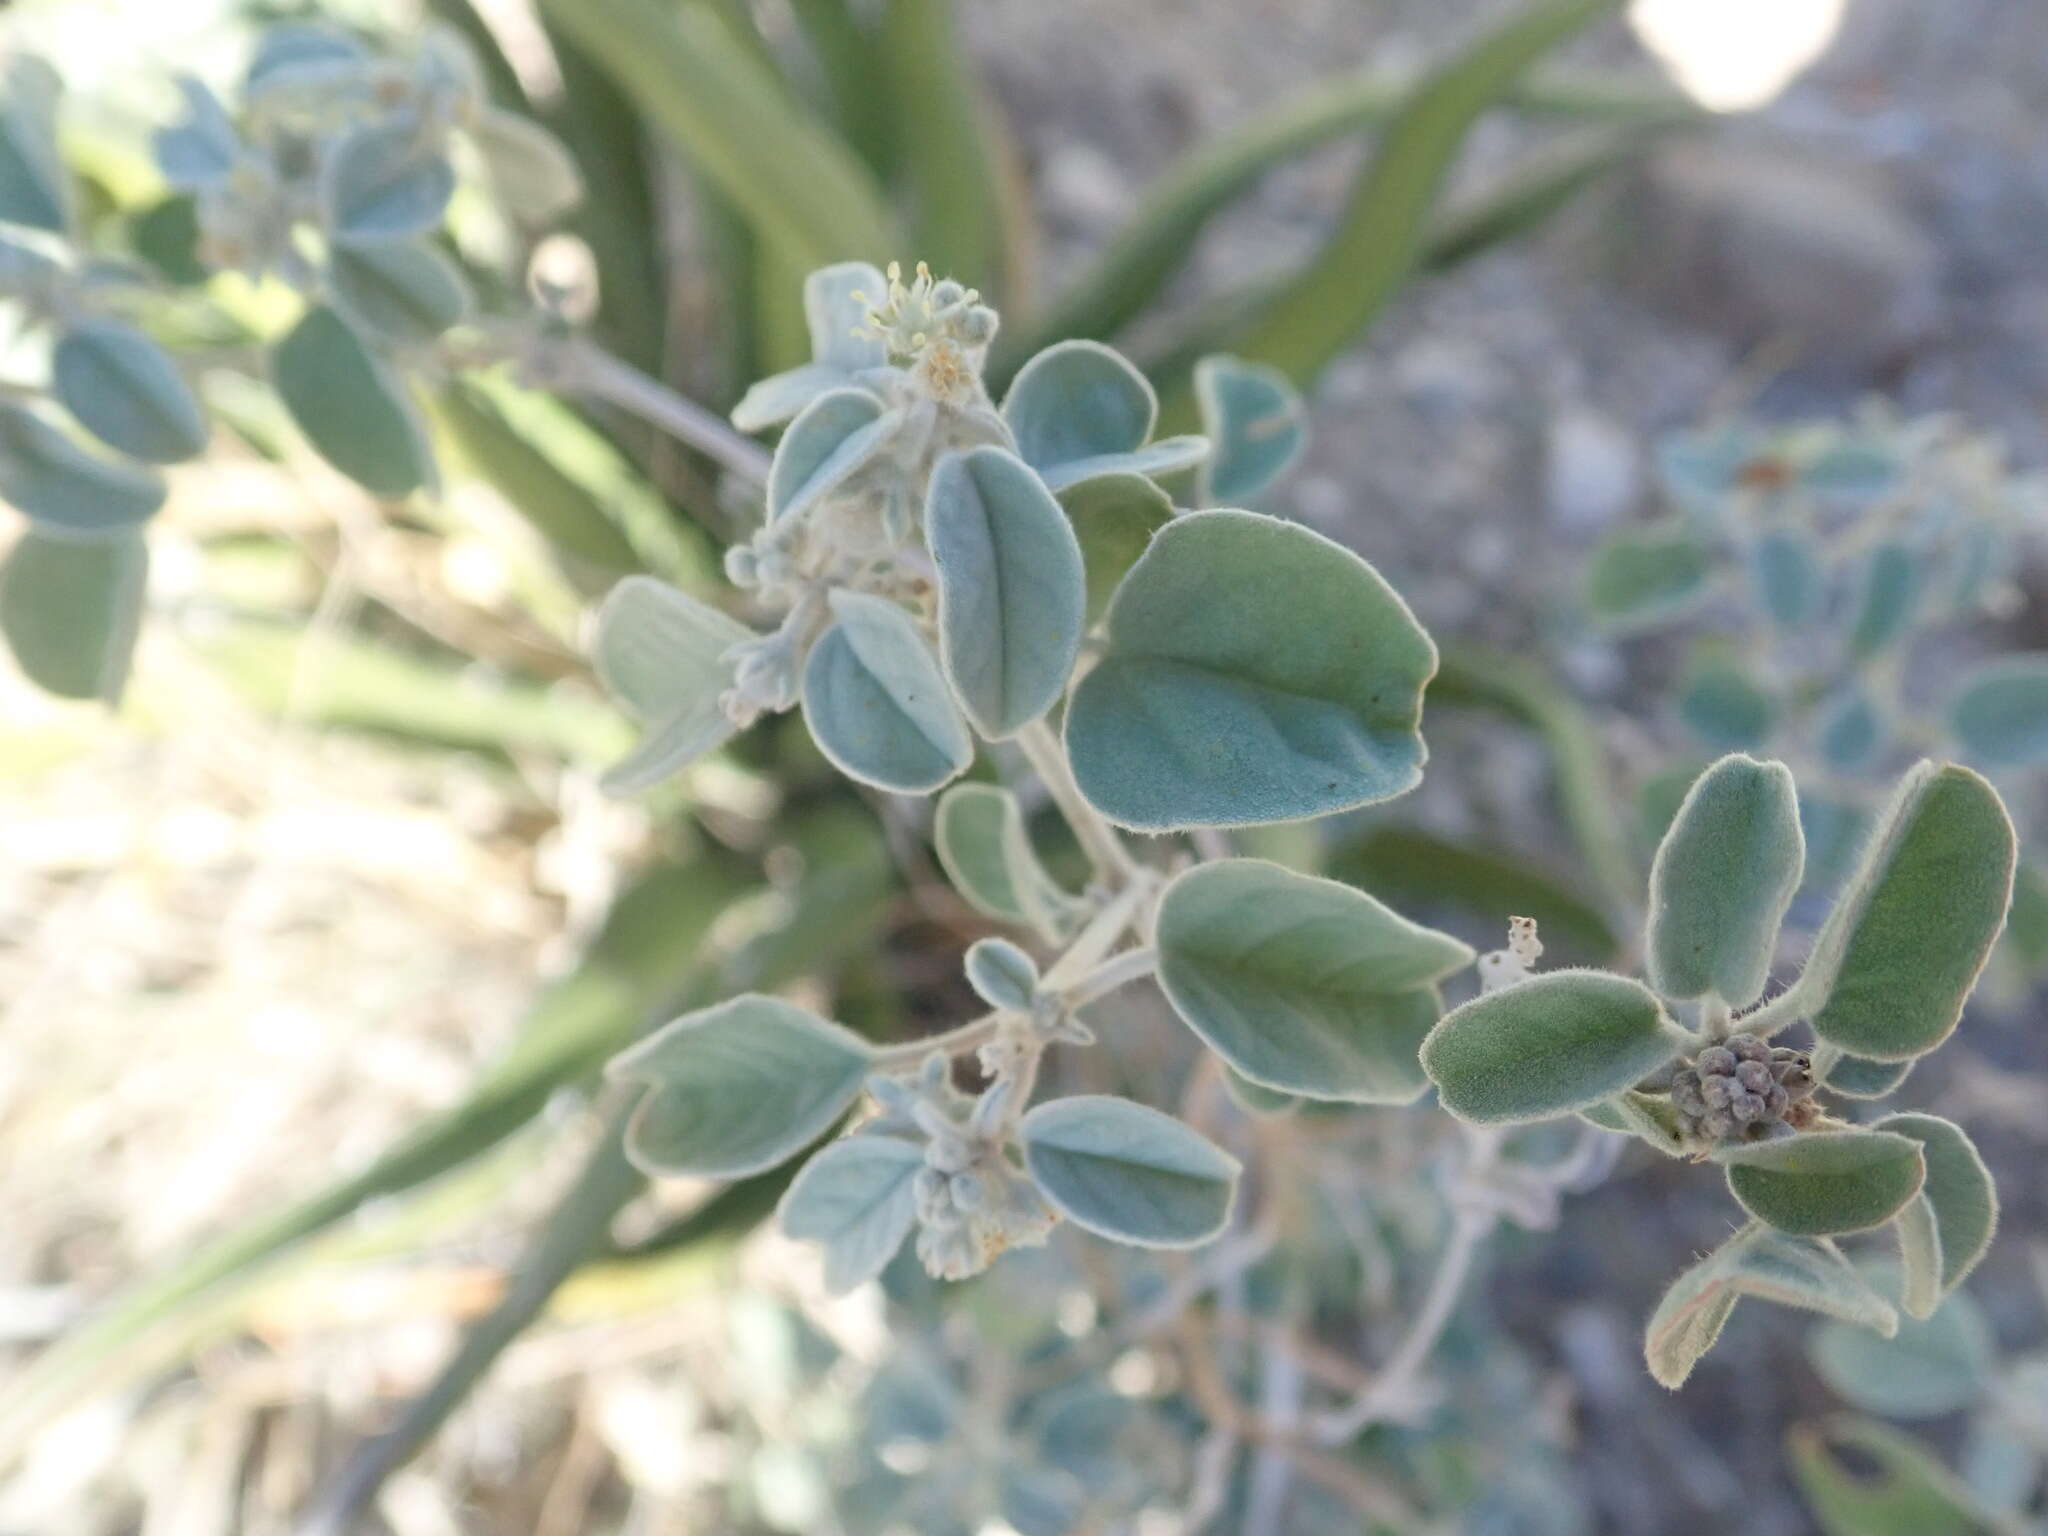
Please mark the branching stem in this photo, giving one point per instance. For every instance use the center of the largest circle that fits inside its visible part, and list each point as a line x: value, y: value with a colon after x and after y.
x: 1098, y: 839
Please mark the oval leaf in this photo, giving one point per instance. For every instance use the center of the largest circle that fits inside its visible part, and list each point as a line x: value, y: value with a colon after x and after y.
x: 1804, y: 1272
x: 201, y: 150
x: 383, y: 181
x: 663, y: 654
x: 1079, y: 410
x: 1722, y: 880
x: 126, y: 391
x: 877, y: 703
x: 351, y: 407
x: 1557, y: 1042
x: 1908, y: 1493
x: 857, y: 1198
x: 71, y: 609
x: 1959, y: 1190
x: 982, y: 845
x: 1857, y: 1077
x: 404, y: 291
x: 1906, y: 942
x: 1255, y: 672
x: 1642, y: 577
x: 1128, y: 1172
x: 1002, y: 975
x: 1303, y: 985
x: 837, y: 434
x: 1012, y: 594
x: 1785, y: 568
x: 534, y: 176
x: 836, y: 303
x: 2000, y: 716
x: 1926, y: 1369
x: 1074, y: 402
x: 1885, y: 606
x: 34, y: 190
x: 738, y: 1088
x: 1253, y: 417
x: 1725, y: 707
x: 1850, y: 731
x: 49, y: 479
x: 1114, y: 518
x: 1825, y: 1182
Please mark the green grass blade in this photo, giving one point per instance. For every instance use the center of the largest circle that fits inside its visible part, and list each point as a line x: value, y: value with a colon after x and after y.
x: 1154, y: 244
x: 573, y: 1231
x: 848, y: 64
x: 944, y: 145
x: 1519, y: 200
x: 715, y: 100
x: 1382, y: 232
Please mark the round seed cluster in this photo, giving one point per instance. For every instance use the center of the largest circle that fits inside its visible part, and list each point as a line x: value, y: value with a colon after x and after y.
x: 1738, y: 1090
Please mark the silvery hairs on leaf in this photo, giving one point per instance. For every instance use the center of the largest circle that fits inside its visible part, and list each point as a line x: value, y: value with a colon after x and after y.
x: 740, y: 1087
x: 1254, y: 672
x: 1722, y: 880
x: 1910, y: 934
x: 664, y: 654
x: 1125, y: 1171
x: 877, y: 703
x: 1557, y: 1042
x: 1079, y: 409
x: 856, y: 1197
x: 835, y: 437
x: 836, y: 301
x: 1255, y: 422
x: 1012, y: 591
x: 1303, y: 985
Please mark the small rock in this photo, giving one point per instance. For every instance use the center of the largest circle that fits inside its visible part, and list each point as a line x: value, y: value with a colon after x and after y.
x: 1592, y: 470
x: 1766, y: 244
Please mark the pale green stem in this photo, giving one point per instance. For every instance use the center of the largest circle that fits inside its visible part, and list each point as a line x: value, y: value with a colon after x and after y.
x: 1092, y: 945
x: 1105, y: 850
x: 1787, y: 1007
x: 1118, y: 971
x: 964, y: 1037
x: 581, y: 368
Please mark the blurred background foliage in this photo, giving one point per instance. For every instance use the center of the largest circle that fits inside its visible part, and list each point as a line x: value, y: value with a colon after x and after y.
x: 315, y: 949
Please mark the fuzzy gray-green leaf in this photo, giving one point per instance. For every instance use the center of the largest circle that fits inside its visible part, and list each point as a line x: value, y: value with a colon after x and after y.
x: 1255, y: 672
x: 1079, y: 409
x: 1012, y: 590
x: 1928, y: 1368
x: 382, y: 181
x: 877, y: 703
x: 856, y: 1198
x: 1804, y: 1272
x: 402, y: 290
x: 1643, y: 577
x: 979, y: 832
x: 70, y: 609
x: 1303, y: 985
x: 1114, y: 518
x: 1554, y: 1043
x: 350, y: 405
x: 126, y: 391
x: 833, y: 437
x: 48, y: 478
x: 1825, y: 1182
x: 1959, y: 1189
x: 1256, y: 425
x: 2000, y: 714
x: 663, y: 654
x: 737, y: 1088
x: 1128, y: 1172
x: 1909, y: 936
x: 1722, y: 880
